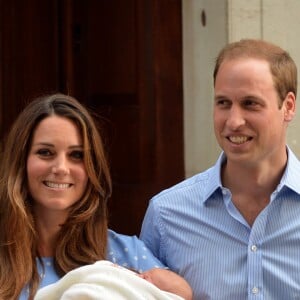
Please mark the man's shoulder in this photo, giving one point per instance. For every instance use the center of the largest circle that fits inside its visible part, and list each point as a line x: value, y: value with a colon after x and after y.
x: 192, y: 186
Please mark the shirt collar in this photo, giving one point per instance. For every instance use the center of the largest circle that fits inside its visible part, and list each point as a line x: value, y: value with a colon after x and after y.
x: 290, y: 178
x: 291, y: 175
x: 214, y: 177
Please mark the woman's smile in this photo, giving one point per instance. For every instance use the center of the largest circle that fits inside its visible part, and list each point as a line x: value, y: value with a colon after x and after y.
x: 56, y: 185
x: 55, y: 168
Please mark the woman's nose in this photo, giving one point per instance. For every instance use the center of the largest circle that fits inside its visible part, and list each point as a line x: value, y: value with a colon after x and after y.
x: 60, y: 166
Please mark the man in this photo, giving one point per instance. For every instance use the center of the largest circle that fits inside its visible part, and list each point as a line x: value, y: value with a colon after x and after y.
x: 233, y: 231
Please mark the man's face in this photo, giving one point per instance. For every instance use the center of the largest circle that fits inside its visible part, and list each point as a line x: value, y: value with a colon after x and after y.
x: 249, y: 125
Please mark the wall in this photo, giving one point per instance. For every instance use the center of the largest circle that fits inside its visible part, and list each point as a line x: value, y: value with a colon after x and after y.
x: 226, y: 21
x: 201, y: 44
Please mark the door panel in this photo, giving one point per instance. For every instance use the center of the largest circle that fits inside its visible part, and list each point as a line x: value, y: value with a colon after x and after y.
x: 123, y: 59
x: 29, y: 48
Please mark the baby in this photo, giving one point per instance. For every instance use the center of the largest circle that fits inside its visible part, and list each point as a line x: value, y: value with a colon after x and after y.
x: 104, y: 280
x: 167, y: 281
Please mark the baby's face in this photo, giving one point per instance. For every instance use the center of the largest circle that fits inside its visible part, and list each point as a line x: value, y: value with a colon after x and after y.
x: 148, y: 275
x: 168, y: 281
x: 159, y: 277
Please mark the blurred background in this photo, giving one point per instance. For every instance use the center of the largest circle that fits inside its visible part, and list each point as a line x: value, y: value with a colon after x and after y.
x: 144, y: 67
x: 121, y: 58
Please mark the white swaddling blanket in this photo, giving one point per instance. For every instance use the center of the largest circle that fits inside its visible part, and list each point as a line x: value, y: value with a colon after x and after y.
x: 103, y: 280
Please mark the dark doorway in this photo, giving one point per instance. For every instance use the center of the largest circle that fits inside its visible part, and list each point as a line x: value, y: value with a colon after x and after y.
x: 123, y: 59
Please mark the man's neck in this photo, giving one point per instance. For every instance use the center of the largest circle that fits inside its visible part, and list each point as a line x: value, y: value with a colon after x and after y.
x: 251, y: 188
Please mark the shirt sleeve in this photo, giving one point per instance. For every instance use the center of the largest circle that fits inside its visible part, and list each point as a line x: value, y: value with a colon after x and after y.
x: 151, y: 232
x: 130, y: 252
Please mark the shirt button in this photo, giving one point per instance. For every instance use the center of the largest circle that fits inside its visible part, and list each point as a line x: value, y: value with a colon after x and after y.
x: 253, y: 248
x: 255, y: 290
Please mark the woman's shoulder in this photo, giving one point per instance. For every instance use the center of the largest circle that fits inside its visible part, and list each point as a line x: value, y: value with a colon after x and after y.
x: 122, y: 243
x: 131, y: 252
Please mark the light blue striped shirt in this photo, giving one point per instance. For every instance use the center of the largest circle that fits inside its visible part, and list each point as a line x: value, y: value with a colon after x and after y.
x: 195, y: 229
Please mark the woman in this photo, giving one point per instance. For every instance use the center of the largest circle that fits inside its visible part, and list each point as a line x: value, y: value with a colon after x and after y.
x: 54, y: 186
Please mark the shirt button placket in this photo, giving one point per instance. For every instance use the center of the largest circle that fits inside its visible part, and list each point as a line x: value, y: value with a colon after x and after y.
x: 253, y: 248
x: 255, y: 290
x: 255, y: 271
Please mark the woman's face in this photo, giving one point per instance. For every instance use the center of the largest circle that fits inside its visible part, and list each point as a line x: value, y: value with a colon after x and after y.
x: 55, y: 169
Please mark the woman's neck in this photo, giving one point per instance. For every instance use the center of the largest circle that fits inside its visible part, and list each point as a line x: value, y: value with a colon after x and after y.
x: 47, y: 231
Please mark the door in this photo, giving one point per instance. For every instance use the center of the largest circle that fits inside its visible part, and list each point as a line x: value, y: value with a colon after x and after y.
x: 123, y: 59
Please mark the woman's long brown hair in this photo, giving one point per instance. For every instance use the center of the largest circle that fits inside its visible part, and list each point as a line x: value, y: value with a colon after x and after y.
x: 83, y: 237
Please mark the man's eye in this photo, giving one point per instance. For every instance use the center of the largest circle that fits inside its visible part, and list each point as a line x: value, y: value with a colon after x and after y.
x: 222, y: 102
x: 249, y: 103
x: 78, y: 155
x: 43, y: 152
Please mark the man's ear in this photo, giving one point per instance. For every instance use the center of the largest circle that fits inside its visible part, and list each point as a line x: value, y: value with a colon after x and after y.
x: 289, y: 106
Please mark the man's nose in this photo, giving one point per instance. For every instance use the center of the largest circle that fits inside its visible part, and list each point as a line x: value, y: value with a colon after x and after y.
x: 235, y: 118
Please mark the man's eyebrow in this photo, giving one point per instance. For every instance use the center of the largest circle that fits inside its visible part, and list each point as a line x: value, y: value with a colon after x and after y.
x: 251, y: 98
x: 220, y: 97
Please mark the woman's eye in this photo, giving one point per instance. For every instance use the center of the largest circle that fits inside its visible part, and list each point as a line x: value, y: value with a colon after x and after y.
x: 78, y: 155
x: 44, y: 152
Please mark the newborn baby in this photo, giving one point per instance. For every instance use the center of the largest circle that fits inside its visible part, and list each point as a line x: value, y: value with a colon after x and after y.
x: 104, y: 280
